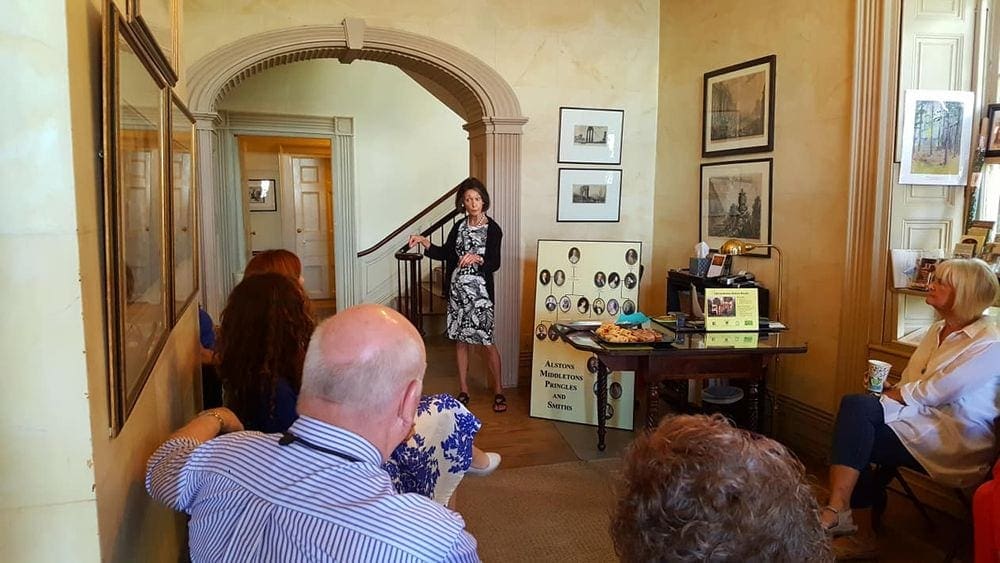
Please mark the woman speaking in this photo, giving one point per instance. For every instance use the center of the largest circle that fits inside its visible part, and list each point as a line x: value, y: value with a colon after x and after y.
x: 471, y: 254
x: 938, y: 420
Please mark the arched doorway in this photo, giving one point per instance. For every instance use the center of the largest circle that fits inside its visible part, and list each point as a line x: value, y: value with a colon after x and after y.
x: 479, y: 94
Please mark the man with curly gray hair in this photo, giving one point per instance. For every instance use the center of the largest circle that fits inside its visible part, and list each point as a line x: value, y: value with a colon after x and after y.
x: 698, y: 489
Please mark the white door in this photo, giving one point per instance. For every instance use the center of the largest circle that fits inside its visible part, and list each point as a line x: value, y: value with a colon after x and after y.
x: 936, y: 53
x: 313, y: 223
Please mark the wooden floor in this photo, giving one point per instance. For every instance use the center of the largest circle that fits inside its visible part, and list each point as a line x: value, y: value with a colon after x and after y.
x: 525, y: 441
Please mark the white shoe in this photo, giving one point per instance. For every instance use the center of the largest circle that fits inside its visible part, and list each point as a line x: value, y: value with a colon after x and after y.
x: 490, y: 467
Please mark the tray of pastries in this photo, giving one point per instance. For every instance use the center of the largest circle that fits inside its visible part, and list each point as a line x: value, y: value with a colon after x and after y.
x: 611, y: 335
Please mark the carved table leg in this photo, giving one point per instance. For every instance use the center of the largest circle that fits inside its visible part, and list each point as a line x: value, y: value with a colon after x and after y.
x: 602, y: 404
x: 753, y: 405
x: 652, y: 404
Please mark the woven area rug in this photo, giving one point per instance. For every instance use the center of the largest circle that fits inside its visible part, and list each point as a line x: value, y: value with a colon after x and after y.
x: 556, y: 512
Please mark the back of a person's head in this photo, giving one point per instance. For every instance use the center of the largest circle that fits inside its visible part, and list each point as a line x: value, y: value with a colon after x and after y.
x: 265, y: 328
x: 278, y: 261
x: 363, y: 357
x: 697, y: 489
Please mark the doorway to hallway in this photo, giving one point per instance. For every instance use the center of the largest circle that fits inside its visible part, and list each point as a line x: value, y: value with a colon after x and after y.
x: 288, y: 203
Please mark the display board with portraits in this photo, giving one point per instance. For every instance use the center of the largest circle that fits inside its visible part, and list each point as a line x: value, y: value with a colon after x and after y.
x: 581, y: 281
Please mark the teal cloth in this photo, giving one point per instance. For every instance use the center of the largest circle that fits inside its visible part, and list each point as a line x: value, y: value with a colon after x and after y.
x: 636, y: 318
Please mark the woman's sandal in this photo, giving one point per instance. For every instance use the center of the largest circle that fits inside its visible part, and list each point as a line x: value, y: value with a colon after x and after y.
x: 843, y: 525
x: 499, y: 403
x: 463, y: 398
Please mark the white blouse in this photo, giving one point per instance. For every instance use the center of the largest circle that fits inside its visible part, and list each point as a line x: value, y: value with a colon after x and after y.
x: 952, y: 403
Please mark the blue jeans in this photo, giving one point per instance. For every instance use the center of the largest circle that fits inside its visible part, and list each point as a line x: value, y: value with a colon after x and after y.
x: 862, y: 438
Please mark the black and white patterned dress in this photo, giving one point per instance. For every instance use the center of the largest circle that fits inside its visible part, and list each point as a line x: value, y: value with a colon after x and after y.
x: 470, y: 310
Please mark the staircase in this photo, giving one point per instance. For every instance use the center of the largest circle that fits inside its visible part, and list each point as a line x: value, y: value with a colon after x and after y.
x: 419, y: 294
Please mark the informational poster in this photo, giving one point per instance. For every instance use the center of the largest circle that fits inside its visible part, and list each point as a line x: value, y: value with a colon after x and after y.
x: 731, y: 309
x: 581, y: 281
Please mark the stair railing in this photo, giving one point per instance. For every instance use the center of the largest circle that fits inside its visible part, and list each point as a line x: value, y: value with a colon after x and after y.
x: 410, y: 274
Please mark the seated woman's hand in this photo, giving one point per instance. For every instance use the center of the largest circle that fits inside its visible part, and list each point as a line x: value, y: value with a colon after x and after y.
x: 417, y: 239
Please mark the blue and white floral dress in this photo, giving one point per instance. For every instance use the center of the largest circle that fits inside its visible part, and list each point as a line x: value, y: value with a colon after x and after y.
x: 434, y: 460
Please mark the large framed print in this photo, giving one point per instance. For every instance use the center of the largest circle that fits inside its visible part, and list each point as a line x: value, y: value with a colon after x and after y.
x: 576, y: 281
x: 590, y: 136
x: 262, y: 194
x: 589, y: 195
x: 135, y: 214
x: 738, y: 109
x: 937, y: 137
x: 736, y: 203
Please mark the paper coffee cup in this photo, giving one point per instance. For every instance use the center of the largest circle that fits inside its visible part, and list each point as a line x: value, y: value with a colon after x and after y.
x: 878, y: 371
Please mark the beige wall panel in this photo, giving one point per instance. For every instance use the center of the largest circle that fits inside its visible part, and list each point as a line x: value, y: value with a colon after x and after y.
x: 811, y: 157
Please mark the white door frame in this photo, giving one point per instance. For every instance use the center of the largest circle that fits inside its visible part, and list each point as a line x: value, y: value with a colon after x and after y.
x: 340, y: 132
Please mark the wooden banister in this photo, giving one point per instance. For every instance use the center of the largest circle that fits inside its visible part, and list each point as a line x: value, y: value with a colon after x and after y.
x: 449, y: 194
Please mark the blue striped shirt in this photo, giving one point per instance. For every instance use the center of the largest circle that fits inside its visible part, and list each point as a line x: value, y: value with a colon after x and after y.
x: 253, y: 500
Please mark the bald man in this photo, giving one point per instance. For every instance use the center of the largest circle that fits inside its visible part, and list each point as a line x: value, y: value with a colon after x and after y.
x: 318, y: 491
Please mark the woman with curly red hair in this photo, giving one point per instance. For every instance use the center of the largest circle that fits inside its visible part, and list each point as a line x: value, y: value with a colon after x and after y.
x: 265, y: 330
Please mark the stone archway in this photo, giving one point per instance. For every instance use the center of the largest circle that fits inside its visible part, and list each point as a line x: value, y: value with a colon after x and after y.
x: 474, y: 90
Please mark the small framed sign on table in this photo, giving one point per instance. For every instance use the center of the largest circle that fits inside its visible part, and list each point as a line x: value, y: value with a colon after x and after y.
x: 731, y: 309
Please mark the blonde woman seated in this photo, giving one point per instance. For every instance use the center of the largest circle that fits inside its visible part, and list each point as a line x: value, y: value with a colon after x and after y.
x: 697, y: 489
x: 938, y: 420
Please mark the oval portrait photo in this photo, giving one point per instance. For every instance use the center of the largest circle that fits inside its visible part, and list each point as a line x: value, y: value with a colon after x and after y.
x: 631, y: 257
x: 541, y: 331
x: 614, y: 280
x: 550, y: 303
x: 565, y: 303
x: 616, y: 390
x: 592, y: 364
x: 598, y: 306
x: 583, y: 305
x: 630, y: 280
x: 612, y: 307
x: 553, y: 333
x: 600, y: 279
x: 628, y: 307
x: 559, y: 277
x: 574, y: 255
x: 544, y: 277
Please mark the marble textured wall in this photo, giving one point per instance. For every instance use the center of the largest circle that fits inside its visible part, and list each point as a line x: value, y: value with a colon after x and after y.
x: 558, y: 53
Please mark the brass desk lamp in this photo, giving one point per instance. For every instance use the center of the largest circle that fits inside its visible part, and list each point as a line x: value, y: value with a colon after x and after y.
x: 738, y: 247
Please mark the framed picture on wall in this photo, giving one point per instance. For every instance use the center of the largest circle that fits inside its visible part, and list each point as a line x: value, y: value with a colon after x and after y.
x: 993, y: 141
x: 590, y: 136
x: 738, y: 109
x: 262, y: 194
x: 589, y: 195
x: 736, y: 203
x: 937, y: 137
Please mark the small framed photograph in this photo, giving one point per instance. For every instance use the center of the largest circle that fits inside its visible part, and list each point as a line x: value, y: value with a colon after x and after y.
x: 719, y: 265
x: 262, y: 194
x: 589, y: 195
x: 736, y: 203
x: 993, y: 141
x: 590, y: 136
x: 925, y: 273
x: 738, y: 109
x: 936, y: 137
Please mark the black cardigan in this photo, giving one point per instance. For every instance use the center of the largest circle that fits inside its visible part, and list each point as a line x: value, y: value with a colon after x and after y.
x: 491, y: 260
